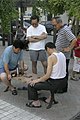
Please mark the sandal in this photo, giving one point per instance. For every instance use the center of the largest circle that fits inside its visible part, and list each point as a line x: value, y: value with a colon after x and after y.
x: 14, y: 92
x: 6, y: 89
x: 31, y: 105
x: 44, y: 100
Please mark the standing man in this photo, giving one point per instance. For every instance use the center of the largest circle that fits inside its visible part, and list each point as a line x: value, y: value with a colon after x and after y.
x: 37, y: 34
x: 9, y: 62
x: 65, y: 42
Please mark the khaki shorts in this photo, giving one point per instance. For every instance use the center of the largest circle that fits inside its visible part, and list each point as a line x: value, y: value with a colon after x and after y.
x: 39, y: 55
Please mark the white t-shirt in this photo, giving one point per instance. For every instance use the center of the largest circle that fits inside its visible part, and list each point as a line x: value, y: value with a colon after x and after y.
x: 59, y: 69
x: 31, y: 31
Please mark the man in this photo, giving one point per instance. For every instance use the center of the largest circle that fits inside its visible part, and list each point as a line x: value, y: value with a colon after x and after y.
x: 65, y: 42
x: 20, y: 34
x: 9, y: 62
x: 54, y: 77
x: 37, y: 34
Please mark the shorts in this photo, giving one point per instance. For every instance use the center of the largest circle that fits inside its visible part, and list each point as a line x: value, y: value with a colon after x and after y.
x: 38, y: 55
x: 2, y: 70
x: 76, y: 66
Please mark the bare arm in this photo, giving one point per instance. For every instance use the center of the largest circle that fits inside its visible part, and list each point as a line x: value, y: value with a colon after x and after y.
x: 71, y: 46
x: 7, y: 71
x: 38, y: 38
x: 51, y: 62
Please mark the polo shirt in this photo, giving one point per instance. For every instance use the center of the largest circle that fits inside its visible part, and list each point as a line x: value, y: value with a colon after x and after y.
x: 64, y: 37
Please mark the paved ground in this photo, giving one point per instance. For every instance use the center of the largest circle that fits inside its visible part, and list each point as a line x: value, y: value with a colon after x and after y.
x: 13, y: 107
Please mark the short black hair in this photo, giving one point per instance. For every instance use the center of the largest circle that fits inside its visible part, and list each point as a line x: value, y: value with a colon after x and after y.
x: 58, y: 19
x: 50, y: 45
x: 18, y: 44
x: 34, y: 17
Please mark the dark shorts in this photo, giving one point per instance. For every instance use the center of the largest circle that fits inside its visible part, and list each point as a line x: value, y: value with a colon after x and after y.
x: 39, y: 55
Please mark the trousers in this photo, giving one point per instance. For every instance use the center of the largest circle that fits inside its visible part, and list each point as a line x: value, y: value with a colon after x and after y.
x: 51, y: 84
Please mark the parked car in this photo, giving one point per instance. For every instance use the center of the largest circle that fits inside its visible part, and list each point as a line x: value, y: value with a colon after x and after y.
x: 49, y: 27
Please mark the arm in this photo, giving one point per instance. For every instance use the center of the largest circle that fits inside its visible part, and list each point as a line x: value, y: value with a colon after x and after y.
x: 38, y: 38
x: 7, y: 71
x: 51, y: 62
x: 71, y: 46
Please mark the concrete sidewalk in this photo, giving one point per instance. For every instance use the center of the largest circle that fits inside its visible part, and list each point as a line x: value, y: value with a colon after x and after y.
x: 14, y: 107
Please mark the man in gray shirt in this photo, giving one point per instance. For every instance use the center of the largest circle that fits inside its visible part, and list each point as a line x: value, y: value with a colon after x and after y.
x: 65, y: 42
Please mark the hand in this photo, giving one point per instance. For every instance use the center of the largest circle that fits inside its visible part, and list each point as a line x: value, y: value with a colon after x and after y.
x: 32, y: 83
x: 67, y: 49
x: 9, y: 76
x: 34, y: 37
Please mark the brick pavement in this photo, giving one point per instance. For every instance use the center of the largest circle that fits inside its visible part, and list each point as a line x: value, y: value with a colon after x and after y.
x: 11, y: 112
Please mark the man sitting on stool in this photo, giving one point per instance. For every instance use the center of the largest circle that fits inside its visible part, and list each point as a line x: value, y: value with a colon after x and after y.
x: 54, y: 78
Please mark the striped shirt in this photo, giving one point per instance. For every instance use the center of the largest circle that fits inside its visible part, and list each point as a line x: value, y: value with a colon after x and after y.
x: 64, y: 37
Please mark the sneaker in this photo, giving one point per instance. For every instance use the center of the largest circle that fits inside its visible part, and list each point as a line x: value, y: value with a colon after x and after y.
x: 74, y: 79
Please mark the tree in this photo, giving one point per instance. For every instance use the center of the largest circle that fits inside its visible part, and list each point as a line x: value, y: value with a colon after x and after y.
x: 73, y: 8
x: 51, y: 6
x: 7, y: 13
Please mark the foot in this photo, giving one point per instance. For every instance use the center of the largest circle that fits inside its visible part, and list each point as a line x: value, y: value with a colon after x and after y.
x: 33, y: 104
x: 6, y: 89
x: 14, y: 92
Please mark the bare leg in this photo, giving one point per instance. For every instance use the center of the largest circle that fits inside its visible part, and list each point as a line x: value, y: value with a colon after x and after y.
x: 5, y: 81
x: 44, y: 63
x: 36, y: 103
x: 34, y: 67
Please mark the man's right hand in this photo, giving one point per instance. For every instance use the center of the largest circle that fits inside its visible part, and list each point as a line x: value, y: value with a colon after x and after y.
x: 9, y: 76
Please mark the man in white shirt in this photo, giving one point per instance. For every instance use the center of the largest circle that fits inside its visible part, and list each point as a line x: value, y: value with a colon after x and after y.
x: 37, y: 34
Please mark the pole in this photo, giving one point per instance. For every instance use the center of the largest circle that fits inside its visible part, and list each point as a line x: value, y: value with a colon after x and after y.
x: 21, y: 13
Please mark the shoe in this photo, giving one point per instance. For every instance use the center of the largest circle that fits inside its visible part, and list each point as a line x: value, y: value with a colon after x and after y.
x: 44, y: 100
x: 6, y: 89
x: 14, y: 92
x: 31, y: 105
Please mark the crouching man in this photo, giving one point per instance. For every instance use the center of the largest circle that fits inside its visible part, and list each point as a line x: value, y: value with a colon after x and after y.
x: 54, y: 78
x: 9, y: 62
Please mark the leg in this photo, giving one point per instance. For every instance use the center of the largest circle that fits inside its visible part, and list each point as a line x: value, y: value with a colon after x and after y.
x: 67, y: 64
x: 3, y: 77
x: 75, y: 69
x: 44, y: 63
x: 52, y: 100
x: 47, y: 85
x: 34, y: 67
x: 67, y: 74
x: 34, y: 57
x: 43, y: 58
x: 33, y: 95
